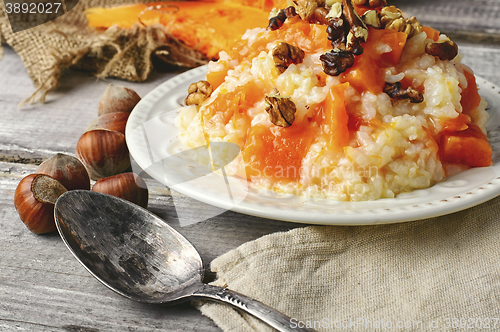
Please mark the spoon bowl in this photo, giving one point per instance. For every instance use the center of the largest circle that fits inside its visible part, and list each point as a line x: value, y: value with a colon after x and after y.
x: 127, y: 248
x: 139, y: 256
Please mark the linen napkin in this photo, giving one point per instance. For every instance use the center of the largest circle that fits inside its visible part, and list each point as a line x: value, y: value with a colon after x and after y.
x: 435, y: 274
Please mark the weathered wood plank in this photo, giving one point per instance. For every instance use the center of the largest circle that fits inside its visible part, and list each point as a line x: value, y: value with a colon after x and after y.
x: 484, y: 60
x: 39, y: 278
x: 43, y: 288
x: 54, y: 305
x: 230, y: 229
x: 470, y: 19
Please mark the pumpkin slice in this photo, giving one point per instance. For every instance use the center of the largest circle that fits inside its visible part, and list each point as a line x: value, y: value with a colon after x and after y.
x: 207, y: 27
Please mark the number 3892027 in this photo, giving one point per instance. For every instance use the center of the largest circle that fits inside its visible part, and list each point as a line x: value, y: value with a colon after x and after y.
x: 33, y: 8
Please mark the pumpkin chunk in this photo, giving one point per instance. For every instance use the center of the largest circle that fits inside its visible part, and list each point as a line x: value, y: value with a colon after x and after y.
x: 469, y: 147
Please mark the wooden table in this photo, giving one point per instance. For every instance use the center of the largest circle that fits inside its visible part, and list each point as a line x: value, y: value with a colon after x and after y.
x: 43, y: 288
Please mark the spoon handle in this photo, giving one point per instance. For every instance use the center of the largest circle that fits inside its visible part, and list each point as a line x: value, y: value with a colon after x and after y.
x: 255, y: 308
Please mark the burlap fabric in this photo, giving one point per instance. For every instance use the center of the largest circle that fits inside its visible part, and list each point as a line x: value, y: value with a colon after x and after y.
x: 67, y: 42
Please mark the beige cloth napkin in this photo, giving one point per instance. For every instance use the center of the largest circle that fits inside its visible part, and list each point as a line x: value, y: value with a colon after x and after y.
x: 434, y: 274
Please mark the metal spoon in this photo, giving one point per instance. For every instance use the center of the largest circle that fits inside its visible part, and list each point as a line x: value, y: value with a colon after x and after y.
x: 137, y: 255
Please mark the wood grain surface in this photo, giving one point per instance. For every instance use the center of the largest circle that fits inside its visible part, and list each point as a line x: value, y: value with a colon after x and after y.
x: 43, y: 288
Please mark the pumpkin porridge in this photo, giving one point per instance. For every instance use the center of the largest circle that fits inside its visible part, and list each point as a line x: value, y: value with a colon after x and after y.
x: 341, y: 101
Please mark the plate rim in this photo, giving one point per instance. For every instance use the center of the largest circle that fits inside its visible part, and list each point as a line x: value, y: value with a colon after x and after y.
x: 447, y: 205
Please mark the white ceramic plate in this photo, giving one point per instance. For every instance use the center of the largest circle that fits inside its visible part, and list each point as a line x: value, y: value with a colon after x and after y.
x: 152, y: 139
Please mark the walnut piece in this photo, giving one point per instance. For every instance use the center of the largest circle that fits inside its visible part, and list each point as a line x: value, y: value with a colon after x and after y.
x: 393, y: 18
x: 335, y: 11
x: 276, y: 21
x: 358, y: 31
x: 320, y: 16
x: 307, y: 8
x: 337, y: 61
x: 447, y: 50
x: 396, y: 91
x: 371, y: 18
x: 281, y: 110
x: 285, y: 54
x: 337, y: 33
x: 312, y: 11
x: 346, y: 30
x: 198, y: 93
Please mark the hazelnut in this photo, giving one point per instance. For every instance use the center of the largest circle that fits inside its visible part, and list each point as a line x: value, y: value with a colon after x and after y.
x: 34, y: 200
x: 103, y: 152
x: 117, y: 99
x: 110, y: 121
x: 66, y: 169
x: 127, y: 186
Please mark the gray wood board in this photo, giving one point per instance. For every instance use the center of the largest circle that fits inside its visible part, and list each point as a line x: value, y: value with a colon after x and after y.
x: 476, y: 20
x: 43, y: 288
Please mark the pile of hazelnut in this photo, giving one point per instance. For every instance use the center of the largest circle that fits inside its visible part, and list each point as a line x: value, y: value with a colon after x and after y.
x: 101, y: 155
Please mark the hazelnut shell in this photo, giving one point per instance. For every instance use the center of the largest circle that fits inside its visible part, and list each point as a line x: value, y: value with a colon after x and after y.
x: 110, y: 121
x: 117, y: 98
x: 66, y: 169
x: 128, y: 186
x: 34, y: 201
x: 103, y: 152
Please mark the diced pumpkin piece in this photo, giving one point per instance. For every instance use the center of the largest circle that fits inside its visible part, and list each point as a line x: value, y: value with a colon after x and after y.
x: 277, y: 152
x: 468, y: 147
x: 396, y: 40
x: 235, y: 104
x: 308, y: 37
x: 457, y: 124
x: 365, y: 74
x: 431, y: 33
x: 216, y: 78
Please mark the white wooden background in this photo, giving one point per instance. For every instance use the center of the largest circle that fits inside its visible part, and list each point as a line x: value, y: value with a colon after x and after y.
x: 43, y: 288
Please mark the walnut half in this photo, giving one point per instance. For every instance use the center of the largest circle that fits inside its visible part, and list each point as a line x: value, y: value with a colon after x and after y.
x: 337, y: 61
x: 285, y: 54
x: 198, y: 93
x: 447, y: 50
x: 281, y: 110
x: 396, y: 91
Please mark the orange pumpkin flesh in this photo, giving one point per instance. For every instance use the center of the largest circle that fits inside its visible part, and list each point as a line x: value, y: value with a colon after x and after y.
x: 462, y: 142
x: 468, y: 147
x: 366, y: 74
x: 277, y: 152
x: 205, y: 26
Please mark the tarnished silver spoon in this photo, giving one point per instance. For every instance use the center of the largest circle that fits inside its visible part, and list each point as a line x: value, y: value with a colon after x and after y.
x: 137, y: 255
